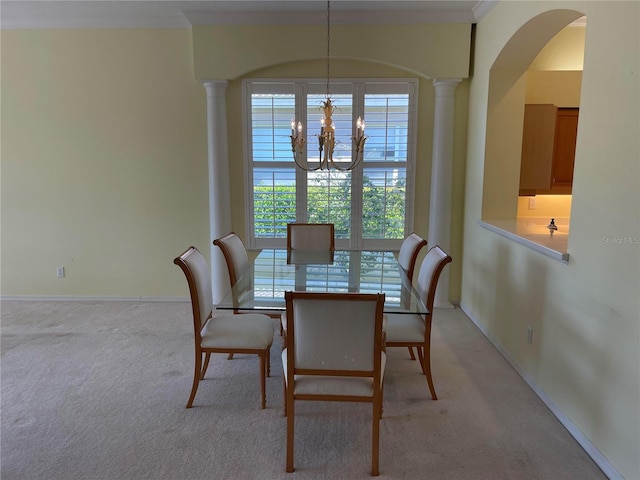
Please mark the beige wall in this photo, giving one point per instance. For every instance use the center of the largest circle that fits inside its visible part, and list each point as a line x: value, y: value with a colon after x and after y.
x: 417, y: 48
x: 548, y: 206
x: 585, y: 314
x: 564, y: 52
x: 558, y: 87
x: 104, y: 141
x: 104, y: 162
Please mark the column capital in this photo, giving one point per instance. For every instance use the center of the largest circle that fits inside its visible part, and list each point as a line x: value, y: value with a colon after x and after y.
x: 446, y: 86
x: 215, y: 86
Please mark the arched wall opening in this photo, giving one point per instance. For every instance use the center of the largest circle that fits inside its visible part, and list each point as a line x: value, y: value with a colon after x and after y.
x: 506, y: 105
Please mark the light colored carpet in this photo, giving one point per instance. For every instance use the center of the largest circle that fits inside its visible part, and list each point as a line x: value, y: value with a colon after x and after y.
x: 97, y: 390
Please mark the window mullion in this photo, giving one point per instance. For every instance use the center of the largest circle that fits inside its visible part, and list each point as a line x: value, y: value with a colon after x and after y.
x: 357, y: 173
x: 301, y: 92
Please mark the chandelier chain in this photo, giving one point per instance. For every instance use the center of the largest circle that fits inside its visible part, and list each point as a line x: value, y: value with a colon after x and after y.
x: 327, y: 138
x: 328, y: 95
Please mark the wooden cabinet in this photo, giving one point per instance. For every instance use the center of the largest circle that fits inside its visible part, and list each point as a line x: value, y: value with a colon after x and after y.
x: 548, y: 149
x: 564, y: 150
x: 537, y: 147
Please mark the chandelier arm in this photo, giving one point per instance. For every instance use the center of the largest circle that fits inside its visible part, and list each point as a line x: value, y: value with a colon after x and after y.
x: 347, y: 169
x: 350, y: 167
x: 305, y: 167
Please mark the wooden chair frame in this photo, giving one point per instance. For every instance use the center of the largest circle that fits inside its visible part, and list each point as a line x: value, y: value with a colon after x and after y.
x: 222, y: 244
x: 199, y: 324
x: 409, y: 251
x: 424, y: 345
x: 416, y: 243
x: 376, y: 374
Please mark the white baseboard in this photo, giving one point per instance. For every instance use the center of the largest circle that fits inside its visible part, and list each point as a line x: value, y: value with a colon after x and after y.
x: 575, y: 432
x: 70, y: 298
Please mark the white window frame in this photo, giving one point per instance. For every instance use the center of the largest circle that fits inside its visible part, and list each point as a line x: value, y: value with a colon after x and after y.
x: 358, y: 87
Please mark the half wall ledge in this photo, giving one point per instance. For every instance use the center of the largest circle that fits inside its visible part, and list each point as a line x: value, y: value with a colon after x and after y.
x: 519, y: 231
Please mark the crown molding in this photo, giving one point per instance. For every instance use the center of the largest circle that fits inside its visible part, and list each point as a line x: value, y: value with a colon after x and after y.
x: 42, y: 14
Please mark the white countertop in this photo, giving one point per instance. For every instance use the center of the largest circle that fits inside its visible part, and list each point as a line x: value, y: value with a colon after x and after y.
x: 533, y: 233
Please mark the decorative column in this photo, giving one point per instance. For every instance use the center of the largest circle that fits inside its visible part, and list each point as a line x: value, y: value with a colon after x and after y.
x: 219, y: 180
x: 442, y: 178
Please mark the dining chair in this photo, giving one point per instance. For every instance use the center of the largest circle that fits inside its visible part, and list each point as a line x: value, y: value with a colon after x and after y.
x: 334, y: 351
x: 407, y: 256
x: 413, y: 330
x: 237, y: 259
x: 310, y: 236
x: 221, y: 333
x: 235, y: 254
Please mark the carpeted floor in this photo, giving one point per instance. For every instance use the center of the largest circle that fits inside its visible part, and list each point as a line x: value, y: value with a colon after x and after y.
x: 97, y: 390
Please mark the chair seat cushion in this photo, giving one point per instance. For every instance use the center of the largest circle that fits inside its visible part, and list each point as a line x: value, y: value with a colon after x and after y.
x: 269, y: 313
x: 250, y: 331
x: 404, y: 328
x: 320, y: 385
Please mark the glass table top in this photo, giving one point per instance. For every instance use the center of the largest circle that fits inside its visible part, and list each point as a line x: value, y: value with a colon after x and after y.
x: 275, y: 271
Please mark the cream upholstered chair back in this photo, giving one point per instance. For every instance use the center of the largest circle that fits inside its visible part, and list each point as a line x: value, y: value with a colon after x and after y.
x: 407, y: 257
x: 310, y: 236
x: 334, y: 333
x: 196, y: 269
x: 334, y: 351
x: 409, y: 251
x: 219, y: 332
x: 430, y: 270
x: 235, y: 255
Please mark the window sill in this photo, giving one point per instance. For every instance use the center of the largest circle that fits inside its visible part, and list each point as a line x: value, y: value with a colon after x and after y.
x: 533, y: 233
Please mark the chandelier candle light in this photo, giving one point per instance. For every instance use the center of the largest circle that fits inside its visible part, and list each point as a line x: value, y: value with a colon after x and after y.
x: 326, y: 139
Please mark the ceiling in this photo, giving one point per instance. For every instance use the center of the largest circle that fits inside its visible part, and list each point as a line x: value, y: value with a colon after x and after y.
x: 185, y: 13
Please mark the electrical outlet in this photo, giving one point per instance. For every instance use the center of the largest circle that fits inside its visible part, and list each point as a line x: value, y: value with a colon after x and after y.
x: 532, y: 203
x: 529, y: 335
x: 60, y: 272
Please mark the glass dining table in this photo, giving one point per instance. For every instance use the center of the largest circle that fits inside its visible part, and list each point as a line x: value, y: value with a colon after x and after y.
x: 274, y: 271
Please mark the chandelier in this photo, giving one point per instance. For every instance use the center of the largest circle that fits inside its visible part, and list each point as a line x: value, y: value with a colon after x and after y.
x: 326, y: 138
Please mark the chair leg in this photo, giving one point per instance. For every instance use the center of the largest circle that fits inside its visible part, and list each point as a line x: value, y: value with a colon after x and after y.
x: 196, y: 377
x: 425, y: 362
x: 230, y: 356
x: 206, y: 365
x: 375, y: 439
x: 263, y: 372
x: 421, y: 360
x: 413, y: 357
x: 284, y: 394
x: 269, y: 361
x: 290, y: 431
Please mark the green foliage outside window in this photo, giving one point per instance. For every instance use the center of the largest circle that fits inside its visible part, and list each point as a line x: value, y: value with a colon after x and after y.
x: 383, y: 209
x: 329, y: 201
